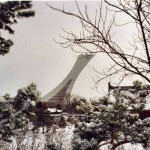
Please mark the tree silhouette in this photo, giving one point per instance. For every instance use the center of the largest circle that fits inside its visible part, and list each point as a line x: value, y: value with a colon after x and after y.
x: 10, y: 12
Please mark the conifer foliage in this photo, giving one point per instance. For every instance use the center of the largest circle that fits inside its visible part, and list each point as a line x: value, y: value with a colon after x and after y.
x: 9, y: 13
x: 15, y: 112
x: 116, y: 122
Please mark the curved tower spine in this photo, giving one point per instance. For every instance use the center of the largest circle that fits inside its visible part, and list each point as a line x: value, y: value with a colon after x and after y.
x: 65, y: 87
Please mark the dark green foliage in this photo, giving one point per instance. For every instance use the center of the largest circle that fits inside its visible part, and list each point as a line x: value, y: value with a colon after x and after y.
x: 116, y: 122
x: 84, y: 144
x: 5, y: 46
x: 62, y: 122
x: 25, y: 94
x: 14, y: 112
x: 9, y: 13
x: 52, y: 146
x: 137, y: 84
x: 7, y: 96
x: 104, y: 100
x: 81, y: 105
x: 77, y: 104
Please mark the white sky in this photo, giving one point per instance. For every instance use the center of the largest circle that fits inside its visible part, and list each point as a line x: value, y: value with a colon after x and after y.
x: 35, y: 57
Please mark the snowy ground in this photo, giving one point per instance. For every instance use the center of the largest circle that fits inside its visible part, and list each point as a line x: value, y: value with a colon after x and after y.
x: 37, y: 141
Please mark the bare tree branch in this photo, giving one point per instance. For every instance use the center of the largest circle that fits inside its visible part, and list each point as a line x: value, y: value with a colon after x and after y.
x: 99, y: 35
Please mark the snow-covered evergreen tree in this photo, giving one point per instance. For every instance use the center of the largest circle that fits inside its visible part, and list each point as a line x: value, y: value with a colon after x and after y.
x: 14, y: 112
x: 116, y: 122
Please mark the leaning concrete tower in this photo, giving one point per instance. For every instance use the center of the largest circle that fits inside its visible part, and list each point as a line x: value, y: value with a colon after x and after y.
x: 57, y: 95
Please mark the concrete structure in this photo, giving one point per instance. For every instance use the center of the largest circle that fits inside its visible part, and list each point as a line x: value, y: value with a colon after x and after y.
x: 56, y: 98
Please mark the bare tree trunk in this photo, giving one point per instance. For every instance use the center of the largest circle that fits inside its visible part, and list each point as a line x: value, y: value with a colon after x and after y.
x: 113, y: 147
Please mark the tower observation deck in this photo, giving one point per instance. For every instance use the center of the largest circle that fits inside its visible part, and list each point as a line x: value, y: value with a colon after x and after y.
x: 57, y: 95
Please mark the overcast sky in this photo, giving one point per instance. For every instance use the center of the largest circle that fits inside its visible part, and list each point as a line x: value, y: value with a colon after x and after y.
x: 35, y: 57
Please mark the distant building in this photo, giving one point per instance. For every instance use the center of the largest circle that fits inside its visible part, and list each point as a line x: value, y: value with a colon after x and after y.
x: 143, y: 113
x: 125, y: 88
